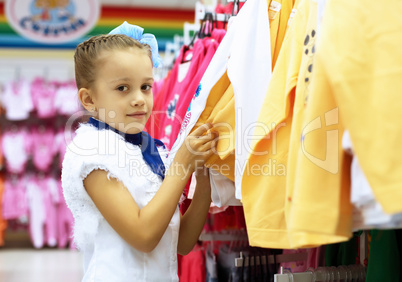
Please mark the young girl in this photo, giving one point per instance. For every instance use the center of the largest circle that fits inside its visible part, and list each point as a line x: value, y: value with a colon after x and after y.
x: 125, y: 206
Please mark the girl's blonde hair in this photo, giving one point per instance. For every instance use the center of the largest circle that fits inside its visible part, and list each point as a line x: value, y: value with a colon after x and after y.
x: 87, y: 55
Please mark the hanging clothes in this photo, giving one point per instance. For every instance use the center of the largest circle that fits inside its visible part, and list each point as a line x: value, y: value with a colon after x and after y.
x: 42, y: 147
x: 353, y: 86
x: 174, y: 97
x: 367, y: 211
x: 275, y: 150
x: 14, y: 198
x: 225, y: 83
x: 17, y: 101
x: 279, y: 12
x: 66, y: 102
x: 43, y: 96
x: 210, y: 46
x: 16, y: 147
x: 384, y: 261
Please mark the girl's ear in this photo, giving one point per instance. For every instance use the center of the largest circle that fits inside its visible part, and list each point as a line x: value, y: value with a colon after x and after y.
x: 86, y: 99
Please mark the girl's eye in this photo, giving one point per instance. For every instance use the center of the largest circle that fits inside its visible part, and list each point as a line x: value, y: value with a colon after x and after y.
x: 122, y: 88
x: 146, y: 87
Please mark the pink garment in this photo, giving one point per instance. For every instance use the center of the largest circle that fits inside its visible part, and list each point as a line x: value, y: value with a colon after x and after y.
x: 229, y: 7
x: 43, y: 197
x: 66, y: 101
x: 42, y: 147
x: 157, y: 87
x: 162, y: 97
x: 65, y: 221
x: 17, y: 101
x: 218, y: 35
x: 14, y: 202
x: 50, y: 194
x: 294, y: 266
x: 37, y: 213
x: 316, y: 257
x: 43, y: 96
x: 183, y: 90
x: 210, y: 47
x: 15, y: 146
x: 61, y: 140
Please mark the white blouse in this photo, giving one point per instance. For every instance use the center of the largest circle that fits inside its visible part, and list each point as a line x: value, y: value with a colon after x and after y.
x: 107, y: 257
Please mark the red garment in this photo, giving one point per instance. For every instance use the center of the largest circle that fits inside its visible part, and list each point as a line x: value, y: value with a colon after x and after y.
x: 192, y: 267
x: 153, y: 125
x: 239, y: 215
x: 210, y: 47
x: 173, y: 99
x: 229, y: 7
x: 183, y: 82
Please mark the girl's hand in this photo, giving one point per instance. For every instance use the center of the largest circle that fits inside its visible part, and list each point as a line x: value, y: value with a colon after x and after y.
x: 198, y: 147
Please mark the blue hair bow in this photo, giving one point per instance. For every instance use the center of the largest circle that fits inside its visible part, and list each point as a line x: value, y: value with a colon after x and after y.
x: 136, y: 33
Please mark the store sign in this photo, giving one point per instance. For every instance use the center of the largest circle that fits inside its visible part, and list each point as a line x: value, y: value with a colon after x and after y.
x: 52, y: 21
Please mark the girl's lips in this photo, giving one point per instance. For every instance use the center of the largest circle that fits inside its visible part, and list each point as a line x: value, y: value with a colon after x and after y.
x: 138, y: 115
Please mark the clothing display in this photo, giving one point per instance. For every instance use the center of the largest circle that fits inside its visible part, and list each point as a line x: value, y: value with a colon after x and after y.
x: 224, y: 84
x: 282, y: 110
x: 32, y: 150
x: 338, y: 83
x: 42, y: 147
x: 43, y: 97
x: 66, y: 101
x: 367, y: 212
x: 46, y: 99
x: 16, y: 99
x: 15, y: 146
x: 14, y: 202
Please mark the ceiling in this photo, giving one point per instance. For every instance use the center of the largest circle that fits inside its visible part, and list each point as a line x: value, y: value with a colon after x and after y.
x: 172, y: 4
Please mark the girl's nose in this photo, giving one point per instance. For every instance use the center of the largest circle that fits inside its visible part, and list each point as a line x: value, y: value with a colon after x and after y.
x: 137, y: 100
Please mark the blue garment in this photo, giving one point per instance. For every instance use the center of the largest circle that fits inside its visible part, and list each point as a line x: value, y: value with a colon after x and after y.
x: 148, y: 144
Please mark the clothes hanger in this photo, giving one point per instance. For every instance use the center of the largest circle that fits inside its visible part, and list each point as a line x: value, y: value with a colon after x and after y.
x: 235, y: 3
x: 207, y: 26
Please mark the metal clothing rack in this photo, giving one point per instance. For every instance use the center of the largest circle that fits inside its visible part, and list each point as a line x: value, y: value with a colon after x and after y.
x: 272, y: 259
x: 226, y: 236
x: 341, y: 273
x: 246, y: 261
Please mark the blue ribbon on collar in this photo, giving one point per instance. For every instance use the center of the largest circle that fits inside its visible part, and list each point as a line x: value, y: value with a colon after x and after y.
x: 148, y: 144
x: 136, y: 33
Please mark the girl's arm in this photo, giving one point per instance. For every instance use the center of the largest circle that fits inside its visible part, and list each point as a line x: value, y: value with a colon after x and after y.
x: 193, y: 220
x: 143, y: 228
